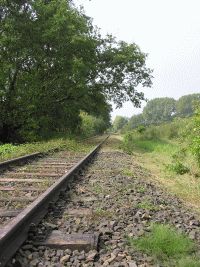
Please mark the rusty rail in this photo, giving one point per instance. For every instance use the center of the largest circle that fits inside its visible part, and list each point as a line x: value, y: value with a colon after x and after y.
x: 13, y: 235
x: 20, y: 159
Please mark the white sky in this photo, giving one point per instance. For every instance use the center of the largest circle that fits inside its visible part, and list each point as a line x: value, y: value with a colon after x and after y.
x: 168, y: 30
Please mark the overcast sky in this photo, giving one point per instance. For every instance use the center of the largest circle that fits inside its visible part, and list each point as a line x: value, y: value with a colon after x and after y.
x: 168, y: 30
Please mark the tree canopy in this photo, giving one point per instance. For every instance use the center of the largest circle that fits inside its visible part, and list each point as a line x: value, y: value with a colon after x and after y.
x: 159, y: 110
x: 164, y: 109
x: 185, y: 105
x: 119, y: 122
x: 55, y: 65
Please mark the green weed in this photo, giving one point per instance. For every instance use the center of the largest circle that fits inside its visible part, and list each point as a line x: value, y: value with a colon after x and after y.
x: 127, y: 172
x: 97, y: 189
x: 178, y: 168
x: 8, y: 151
x: 188, y: 262
x: 147, y: 205
x: 140, y: 189
x: 164, y: 242
x: 99, y: 213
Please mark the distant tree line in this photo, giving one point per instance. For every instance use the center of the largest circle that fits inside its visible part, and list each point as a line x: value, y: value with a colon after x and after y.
x: 56, y: 66
x: 159, y: 110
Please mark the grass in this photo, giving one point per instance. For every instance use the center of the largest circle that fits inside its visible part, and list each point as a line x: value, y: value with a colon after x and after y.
x: 154, y: 146
x: 97, y: 189
x: 189, y: 262
x: 140, y: 189
x: 8, y: 151
x: 100, y: 213
x: 127, y: 172
x: 147, y: 205
x: 165, y: 244
x: 161, y: 159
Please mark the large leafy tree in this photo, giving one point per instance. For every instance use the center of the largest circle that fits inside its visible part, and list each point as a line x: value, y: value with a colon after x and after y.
x: 55, y: 64
x: 135, y: 121
x: 185, y: 105
x: 119, y: 122
x: 159, y: 110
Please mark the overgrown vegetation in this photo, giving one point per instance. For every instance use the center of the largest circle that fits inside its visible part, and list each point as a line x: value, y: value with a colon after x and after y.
x: 55, y: 65
x: 159, y: 111
x: 171, y: 151
x: 167, y: 246
x: 9, y: 151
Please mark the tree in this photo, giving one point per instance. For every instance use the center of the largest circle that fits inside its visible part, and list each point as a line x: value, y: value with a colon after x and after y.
x: 55, y: 64
x: 135, y: 121
x: 121, y: 68
x: 119, y: 122
x: 159, y: 110
x: 185, y: 105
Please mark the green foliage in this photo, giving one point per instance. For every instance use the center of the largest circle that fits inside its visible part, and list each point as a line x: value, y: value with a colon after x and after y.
x: 147, y: 205
x: 91, y: 125
x: 134, y: 141
x: 177, y: 166
x: 164, y: 242
x: 141, y: 129
x: 159, y: 110
x: 119, y: 123
x: 189, y: 262
x: 134, y: 122
x: 9, y: 151
x: 162, y: 110
x: 185, y: 105
x: 128, y: 142
x: 54, y: 64
x: 195, y: 136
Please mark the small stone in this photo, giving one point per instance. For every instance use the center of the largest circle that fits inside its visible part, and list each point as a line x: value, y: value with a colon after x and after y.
x: 92, y: 254
x: 132, y: 264
x: 30, y: 256
x: 34, y: 262
x: 68, y: 251
x: 111, y: 259
x: 81, y: 257
x: 192, y: 234
x: 120, y: 256
x: 27, y: 247
x: 64, y: 259
x: 51, y: 225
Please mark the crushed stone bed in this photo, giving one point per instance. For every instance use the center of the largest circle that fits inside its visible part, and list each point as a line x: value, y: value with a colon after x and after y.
x: 112, y: 199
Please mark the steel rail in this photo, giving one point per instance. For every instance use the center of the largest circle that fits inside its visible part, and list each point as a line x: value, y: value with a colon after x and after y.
x: 13, y: 235
x: 20, y: 159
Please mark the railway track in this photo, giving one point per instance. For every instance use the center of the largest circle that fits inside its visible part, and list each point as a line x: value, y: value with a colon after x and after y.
x: 28, y: 191
x: 91, y: 222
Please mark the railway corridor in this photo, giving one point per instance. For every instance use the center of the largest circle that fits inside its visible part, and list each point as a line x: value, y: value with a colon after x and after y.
x: 108, y: 203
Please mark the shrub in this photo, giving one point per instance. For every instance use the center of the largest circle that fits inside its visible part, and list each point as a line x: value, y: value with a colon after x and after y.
x: 178, y: 168
x: 196, y: 135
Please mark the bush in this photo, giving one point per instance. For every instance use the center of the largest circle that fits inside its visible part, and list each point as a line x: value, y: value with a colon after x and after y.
x: 91, y: 125
x: 195, y: 147
x: 177, y: 166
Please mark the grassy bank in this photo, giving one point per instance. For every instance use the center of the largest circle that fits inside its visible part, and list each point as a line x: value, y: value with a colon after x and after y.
x: 9, y: 151
x: 168, y: 163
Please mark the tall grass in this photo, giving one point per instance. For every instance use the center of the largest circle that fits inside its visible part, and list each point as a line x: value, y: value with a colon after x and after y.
x: 8, y: 151
x: 165, y: 244
x: 169, y: 157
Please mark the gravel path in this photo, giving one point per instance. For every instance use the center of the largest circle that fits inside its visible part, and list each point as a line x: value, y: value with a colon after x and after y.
x: 111, y: 198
